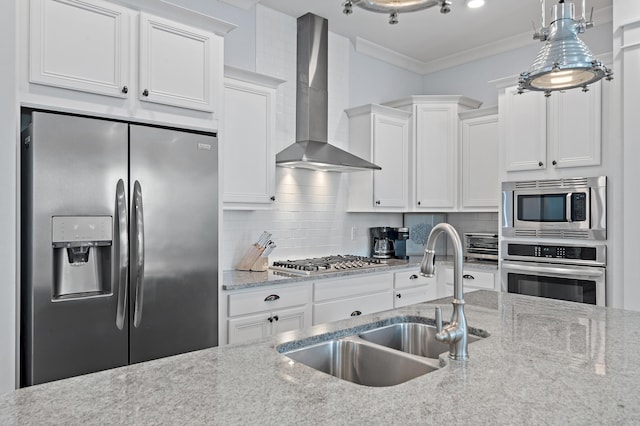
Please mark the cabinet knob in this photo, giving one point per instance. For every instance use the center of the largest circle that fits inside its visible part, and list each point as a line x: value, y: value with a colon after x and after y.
x: 270, y: 319
x: 273, y: 198
x: 554, y: 162
x: 125, y: 89
x: 413, y: 277
x: 378, y: 202
x: 399, y: 296
x: 271, y: 298
x: 356, y: 313
x: 419, y: 202
x: 540, y: 163
x: 468, y: 277
x: 145, y: 92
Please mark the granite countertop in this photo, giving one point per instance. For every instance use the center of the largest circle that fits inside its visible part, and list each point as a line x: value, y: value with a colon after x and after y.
x: 237, y: 280
x: 545, y: 362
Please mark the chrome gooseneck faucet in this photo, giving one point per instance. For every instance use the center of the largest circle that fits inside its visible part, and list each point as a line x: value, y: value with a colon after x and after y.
x: 456, y: 332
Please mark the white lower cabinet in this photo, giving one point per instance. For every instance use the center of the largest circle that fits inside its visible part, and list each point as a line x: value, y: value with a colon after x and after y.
x: 261, y: 313
x: 411, y: 287
x: 472, y: 279
x: 339, y: 299
x: 266, y: 324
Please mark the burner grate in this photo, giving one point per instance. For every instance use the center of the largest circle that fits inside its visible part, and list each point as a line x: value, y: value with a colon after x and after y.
x: 326, y: 264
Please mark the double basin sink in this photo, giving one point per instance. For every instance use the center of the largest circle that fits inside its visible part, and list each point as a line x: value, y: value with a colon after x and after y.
x: 382, y: 356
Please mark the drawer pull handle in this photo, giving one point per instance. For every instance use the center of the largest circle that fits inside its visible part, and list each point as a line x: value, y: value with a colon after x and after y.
x: 356, y: 313
x: 399, y: 296
x: 413, y: 277
x: 271, y: 298
x: 468, y: 277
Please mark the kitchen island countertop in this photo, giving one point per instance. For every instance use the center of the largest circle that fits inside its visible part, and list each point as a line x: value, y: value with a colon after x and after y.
x: 545, y: 362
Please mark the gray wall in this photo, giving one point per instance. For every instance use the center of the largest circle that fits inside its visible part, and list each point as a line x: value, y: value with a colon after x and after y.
x: 472, y: 79
x: 374, y: 81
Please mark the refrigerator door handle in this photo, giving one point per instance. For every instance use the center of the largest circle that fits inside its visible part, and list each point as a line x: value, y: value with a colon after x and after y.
x: 139, y: 253
x: 123, y: 258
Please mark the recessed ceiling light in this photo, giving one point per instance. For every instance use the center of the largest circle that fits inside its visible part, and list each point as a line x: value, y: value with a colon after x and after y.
x: 474, y: 4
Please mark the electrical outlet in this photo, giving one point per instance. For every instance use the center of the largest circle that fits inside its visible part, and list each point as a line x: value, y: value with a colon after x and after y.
x: 354, y: 233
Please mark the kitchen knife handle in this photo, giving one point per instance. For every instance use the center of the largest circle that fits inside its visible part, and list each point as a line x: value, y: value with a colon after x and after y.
x: 138, y: 212
x: 123, y: 254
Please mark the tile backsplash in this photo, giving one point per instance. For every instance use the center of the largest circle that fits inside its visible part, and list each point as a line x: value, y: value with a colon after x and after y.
x: 308, y: 219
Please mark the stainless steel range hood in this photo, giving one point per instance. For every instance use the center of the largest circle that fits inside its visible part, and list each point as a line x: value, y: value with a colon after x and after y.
x: 312, y: 150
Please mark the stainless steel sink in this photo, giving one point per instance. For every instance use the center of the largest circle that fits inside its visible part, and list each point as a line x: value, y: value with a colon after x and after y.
x: 414, y: 338
x: 362, y: 362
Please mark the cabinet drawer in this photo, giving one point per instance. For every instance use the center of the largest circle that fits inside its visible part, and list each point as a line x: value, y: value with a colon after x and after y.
x: 348, y: 287
x: 267, y: 300
x: 414, y: 295
x: 411, y: 278
x: 346, y: 308
x: 473, y: 279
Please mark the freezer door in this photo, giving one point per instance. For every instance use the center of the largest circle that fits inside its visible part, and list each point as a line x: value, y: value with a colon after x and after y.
x: 71, y: 247
x: 174, y: 248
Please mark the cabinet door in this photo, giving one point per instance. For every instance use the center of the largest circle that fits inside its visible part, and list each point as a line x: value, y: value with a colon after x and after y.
x: 436, y: 128
x: 472, y: 279
x: 480, y: 182
x: 346, y: 308
x: 290, y: 319
x: 249, y: 328
x: 248, y: 131
x: 524, y: 129
x: 390, y: 151
x: 80, y: 45
x: 177, y: 64
x: 575, y: 136
x: 415, y: 295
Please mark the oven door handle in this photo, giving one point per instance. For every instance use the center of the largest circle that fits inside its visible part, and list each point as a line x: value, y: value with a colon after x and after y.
x: 563, y: 272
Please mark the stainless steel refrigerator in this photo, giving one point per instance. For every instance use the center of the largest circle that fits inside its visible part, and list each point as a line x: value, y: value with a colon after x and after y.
x: 119, y: 251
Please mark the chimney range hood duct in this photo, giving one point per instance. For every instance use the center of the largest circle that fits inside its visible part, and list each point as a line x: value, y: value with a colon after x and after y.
x: 312, y: 150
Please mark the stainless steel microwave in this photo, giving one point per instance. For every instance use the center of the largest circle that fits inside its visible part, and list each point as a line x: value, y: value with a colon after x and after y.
x: 574, y: 208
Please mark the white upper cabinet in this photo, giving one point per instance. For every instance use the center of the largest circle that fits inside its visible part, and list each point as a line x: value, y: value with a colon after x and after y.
x: 381, y: 135
x: 248, y: 133
x: 177, y: 64
x: 574, y: 126
x: 434, y: 165
x: 80, y: 45
x: 480, y: 185
x: 151, y: 61
x: 541, y: 133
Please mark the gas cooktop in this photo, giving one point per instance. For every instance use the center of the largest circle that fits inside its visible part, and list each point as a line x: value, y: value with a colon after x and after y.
x: 320, y: 265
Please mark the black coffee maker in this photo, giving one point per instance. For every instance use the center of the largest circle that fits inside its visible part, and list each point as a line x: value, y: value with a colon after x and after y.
x: 388, y: 242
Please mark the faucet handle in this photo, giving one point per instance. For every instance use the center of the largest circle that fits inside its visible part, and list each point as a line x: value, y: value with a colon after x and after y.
x: 439, y: 319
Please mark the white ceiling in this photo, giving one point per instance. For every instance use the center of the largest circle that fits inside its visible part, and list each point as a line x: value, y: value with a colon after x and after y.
x: 428, y: 40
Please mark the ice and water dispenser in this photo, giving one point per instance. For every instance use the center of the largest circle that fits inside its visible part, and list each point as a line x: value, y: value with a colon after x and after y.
x: 81, y: 255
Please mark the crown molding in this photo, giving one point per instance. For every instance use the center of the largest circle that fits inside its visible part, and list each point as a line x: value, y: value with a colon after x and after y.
x: 385, y: 54
x: 601, y: 16
x: 242, y: 4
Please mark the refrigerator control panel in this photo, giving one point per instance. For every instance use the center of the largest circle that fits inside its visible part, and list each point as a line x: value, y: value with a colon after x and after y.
x: 68, y: 231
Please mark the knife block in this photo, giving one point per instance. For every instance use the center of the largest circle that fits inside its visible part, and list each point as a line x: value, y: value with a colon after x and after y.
x: 251, y: 261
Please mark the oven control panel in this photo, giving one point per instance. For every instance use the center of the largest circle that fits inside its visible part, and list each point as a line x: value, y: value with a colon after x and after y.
x: 552, y: 251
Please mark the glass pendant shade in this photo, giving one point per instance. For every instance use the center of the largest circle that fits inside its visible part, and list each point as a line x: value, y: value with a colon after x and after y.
x: 393, y: 7
x: 564, y: 62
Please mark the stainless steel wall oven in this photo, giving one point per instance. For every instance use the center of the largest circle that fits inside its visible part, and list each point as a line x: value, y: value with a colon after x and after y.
x: 570, y: 272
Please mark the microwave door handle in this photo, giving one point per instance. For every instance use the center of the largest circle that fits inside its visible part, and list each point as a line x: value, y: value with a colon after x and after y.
x: 558, y: 271
x: 567, y: 213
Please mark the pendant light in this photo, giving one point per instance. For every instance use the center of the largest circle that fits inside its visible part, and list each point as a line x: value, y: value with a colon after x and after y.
x: 564, y: 62
x: 393, y: 7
